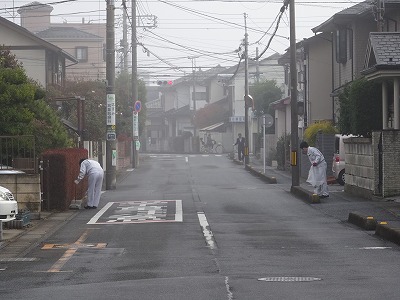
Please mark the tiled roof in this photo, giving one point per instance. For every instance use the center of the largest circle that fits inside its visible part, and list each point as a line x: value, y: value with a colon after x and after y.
x: 66, y: 33
x: 386, y: 47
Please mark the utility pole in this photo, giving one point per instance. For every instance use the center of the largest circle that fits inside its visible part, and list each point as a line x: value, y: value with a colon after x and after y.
x: 125, y: 38
x: 111, y: 151
x: 257, y: 67
x: 293, y: 100
x: 135, y: 153
x: 246, y: 94
x: 194, y: 100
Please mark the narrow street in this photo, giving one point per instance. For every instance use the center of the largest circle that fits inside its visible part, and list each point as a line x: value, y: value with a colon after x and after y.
x: 200, y: 227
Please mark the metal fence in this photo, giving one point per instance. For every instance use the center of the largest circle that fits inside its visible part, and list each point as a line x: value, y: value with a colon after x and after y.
x: 18, y: 153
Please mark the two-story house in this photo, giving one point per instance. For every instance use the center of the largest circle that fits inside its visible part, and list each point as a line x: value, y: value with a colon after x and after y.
x: 175, y: 108
x: 350, y: 30
x: 43, y: 62
x: 85, y: 41
x: 265, y: 69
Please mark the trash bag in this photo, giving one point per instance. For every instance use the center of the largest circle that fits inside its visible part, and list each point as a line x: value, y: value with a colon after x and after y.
x: 311, y: 177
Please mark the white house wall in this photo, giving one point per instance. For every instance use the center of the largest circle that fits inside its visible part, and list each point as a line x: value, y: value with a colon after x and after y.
x: 169, y: 100
x: 280, y: 123
x: 238, y: 107
x: 33, y: 61
x: 319, y: 78
x: 200, y: 103
x: 216, y: 90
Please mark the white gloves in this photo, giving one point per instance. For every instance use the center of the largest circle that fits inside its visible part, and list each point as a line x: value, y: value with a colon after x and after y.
x: 76, y: 181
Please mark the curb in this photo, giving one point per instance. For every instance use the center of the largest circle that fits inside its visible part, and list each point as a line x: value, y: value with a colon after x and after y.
x: 388, y: 232
x: 304, y: 194
x: 364, y: 221
x: 263, y: 177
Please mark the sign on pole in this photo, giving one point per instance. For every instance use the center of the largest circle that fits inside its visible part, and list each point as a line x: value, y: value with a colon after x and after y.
x: 138, y: 106
x: 135, y: 124
x: 111, y: 134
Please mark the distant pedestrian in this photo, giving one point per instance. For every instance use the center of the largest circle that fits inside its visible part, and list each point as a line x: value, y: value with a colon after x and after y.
x: 209, y: 142
x: 95, y: 174
x: 317, y: 173
x: 240, y: 142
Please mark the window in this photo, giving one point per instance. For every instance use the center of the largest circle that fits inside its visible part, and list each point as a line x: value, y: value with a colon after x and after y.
x: 341, y: 45
x: 81, y: 53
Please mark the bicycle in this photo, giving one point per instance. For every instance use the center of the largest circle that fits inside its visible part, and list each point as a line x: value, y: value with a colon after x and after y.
x: 216, y: 148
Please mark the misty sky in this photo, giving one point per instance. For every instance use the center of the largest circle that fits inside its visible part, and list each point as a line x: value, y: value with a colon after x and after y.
x: 209, y: 31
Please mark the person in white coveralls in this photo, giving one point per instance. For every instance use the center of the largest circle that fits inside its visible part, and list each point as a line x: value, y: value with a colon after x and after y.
x: 95, y: 174
x: 317, y: 173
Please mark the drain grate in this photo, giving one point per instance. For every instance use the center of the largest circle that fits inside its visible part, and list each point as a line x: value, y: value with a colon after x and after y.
x: 289, y: 279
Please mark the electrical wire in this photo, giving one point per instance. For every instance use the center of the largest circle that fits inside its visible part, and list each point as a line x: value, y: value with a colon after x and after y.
x: 282, y: 10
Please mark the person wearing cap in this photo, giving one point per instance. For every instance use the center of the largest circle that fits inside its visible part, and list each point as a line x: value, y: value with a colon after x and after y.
x: 317, y: 173
x: 95, y: 174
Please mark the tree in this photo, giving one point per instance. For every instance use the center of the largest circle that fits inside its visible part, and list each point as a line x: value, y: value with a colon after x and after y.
x: 25, y: 112
x: 360, y: 108
x: 94, y: 93
x: 264, y: 93
x: 124, y: 107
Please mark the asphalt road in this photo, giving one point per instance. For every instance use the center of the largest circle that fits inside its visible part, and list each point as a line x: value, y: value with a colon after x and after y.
x: 199, y: 227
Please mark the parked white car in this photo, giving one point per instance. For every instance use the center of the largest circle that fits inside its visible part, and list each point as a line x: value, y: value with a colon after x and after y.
x: 339, y: 159
x: 8, y: 205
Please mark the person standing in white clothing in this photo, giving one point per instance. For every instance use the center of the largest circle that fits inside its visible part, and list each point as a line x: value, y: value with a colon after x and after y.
x: 317, y: 174
x: 95, y: 174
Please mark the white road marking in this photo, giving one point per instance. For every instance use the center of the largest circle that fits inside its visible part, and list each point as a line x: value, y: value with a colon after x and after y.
x: 178, y: 211
x: 206, y: 230
x: 187, y: 159
x: 146, y: 211
x: 375, y: 248
x: 102, y: 211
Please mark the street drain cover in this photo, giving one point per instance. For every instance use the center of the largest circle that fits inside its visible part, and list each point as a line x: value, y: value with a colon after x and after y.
x: 289, y: 279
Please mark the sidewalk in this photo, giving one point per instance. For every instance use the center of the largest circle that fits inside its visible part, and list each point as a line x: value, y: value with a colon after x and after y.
x: 18, y: 242
x: 381, y: 215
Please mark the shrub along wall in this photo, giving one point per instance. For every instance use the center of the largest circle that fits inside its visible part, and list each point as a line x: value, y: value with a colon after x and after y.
x: 60, y: 169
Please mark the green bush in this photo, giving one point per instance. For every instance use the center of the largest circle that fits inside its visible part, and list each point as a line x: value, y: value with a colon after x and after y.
x: 310, y: 134
x: 360, y: 108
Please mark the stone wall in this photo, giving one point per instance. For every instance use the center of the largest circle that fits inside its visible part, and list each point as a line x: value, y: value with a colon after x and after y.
x: 26, y: 190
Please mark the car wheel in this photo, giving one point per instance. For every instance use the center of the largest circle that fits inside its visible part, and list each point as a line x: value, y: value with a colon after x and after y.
x: 341, y: 177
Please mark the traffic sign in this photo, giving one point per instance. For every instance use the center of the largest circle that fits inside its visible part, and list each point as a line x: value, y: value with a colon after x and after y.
x: 138, y: 106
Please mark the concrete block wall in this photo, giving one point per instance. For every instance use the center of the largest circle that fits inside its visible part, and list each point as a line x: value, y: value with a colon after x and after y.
x: 364, y: 164
x: 359, y: 165
x: 26, y: 190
